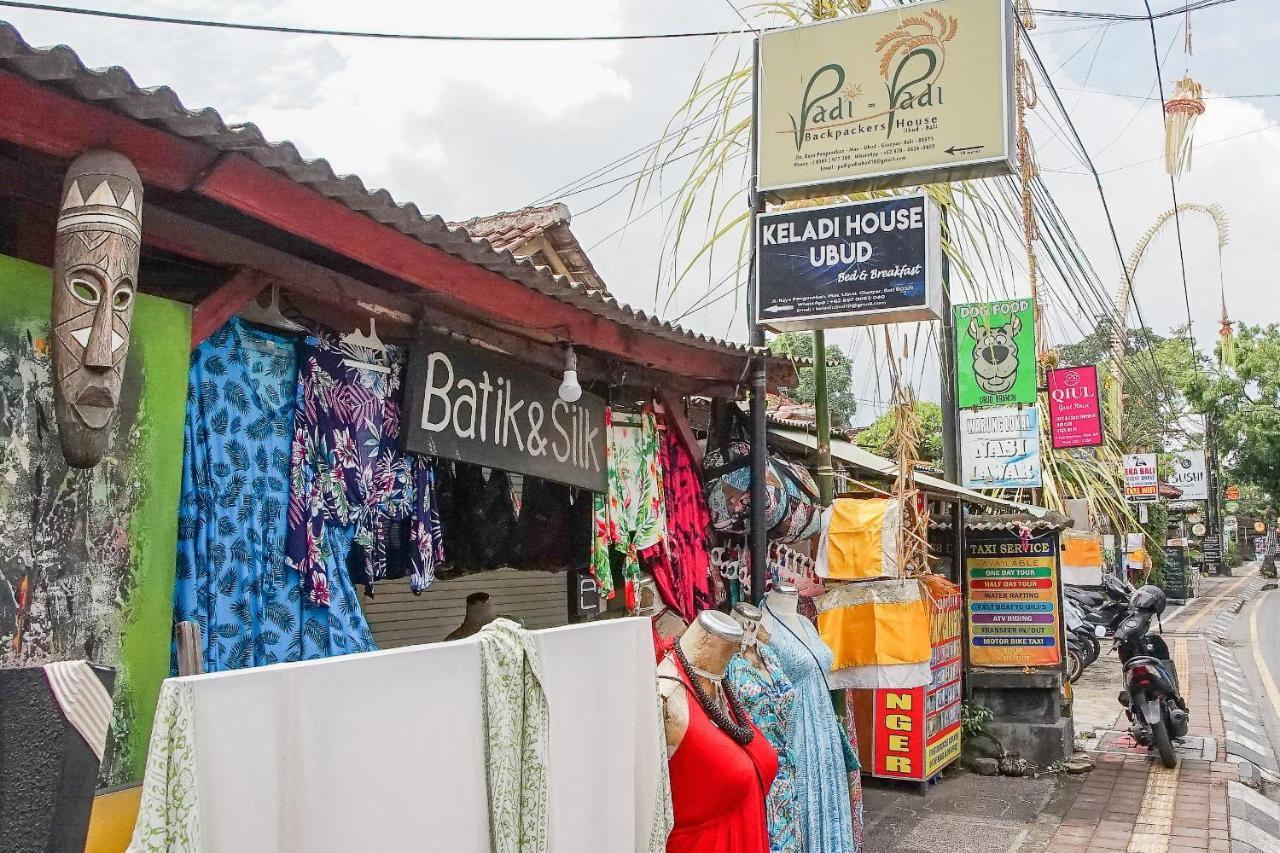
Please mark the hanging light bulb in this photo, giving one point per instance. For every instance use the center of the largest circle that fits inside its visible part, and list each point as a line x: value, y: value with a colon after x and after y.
x: 570, y: 391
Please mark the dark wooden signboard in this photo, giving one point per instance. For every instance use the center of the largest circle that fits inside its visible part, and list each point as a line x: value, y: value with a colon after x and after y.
x: 1177, y: 584
x: 468, y: 404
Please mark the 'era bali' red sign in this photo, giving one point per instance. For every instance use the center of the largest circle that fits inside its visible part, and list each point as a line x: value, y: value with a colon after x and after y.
x: 1075, y: 419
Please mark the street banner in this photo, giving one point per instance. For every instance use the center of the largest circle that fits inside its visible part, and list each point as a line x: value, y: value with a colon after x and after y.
x: 1000, y: 448
x: 1141, y: 482
x: 1075, y: 417
x: 889, y: 99
x: 1014, y: 610
x: 853, y: 264
x: 1190, y: 474
x: 995, y: 353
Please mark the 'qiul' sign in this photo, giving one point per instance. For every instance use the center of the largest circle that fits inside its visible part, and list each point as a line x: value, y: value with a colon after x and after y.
x: 995, y: 353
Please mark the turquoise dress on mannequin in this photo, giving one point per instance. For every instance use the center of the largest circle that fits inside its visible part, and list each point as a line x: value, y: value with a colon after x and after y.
x: 814, y: 736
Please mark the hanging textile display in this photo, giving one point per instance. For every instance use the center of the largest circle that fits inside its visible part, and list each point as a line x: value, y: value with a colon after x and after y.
x: 1180, y: 115
x: 351, y: 485
x: 631, y: 516
x: 859, y: 540
x: 813, y: 732
x: 878, y: 632
x: 233, y: 516
x: 489, y: 707
x: 517, y: 728
x: 681, y: 562
x: 605, y: 671
x: 769, y: 698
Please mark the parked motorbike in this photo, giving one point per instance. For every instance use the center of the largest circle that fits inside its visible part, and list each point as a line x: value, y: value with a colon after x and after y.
x: 1107, y: 608
x: 1151, y: 698
x: 1081, y: 631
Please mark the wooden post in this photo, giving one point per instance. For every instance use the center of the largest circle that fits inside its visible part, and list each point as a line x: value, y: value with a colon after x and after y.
x: 190, y: 654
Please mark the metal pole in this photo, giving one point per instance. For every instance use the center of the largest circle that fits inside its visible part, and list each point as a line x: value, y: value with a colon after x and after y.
x: 759, y: 373
x: 822, y: 403
x: 947, y: 363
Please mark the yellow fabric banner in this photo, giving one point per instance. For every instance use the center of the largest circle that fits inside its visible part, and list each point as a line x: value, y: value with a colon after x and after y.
x: 880, y: 623
x: 855, y: 539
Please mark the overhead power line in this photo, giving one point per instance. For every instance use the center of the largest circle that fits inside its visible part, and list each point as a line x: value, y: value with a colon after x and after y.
x: 440, y: 37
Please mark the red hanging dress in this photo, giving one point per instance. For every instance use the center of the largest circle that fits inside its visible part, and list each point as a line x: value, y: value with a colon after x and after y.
x: 718, y: 786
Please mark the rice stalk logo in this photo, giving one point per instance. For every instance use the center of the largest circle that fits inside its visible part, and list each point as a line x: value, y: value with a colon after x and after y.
x: 918, y: 43
x: 912, y: 57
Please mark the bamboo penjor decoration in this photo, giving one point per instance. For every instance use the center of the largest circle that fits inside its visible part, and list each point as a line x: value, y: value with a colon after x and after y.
x: 1180, y: 114
x: 913, y: 531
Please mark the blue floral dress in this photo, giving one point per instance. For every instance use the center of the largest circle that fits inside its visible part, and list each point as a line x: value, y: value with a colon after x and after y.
x: 350, y: 481
x: 815, y: 737
x: 232, y: 517
x: 769, y: 699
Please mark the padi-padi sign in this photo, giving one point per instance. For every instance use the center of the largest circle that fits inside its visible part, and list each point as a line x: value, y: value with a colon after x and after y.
x: 852, y: 264
x: 908, y: 96
x: 472, y: 405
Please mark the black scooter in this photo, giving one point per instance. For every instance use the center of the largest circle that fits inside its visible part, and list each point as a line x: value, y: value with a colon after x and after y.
x: 1151, y: 697
x: 1107, y: 609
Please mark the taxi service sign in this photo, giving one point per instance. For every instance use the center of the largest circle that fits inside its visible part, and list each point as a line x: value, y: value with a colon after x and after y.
x: 1014, y: 612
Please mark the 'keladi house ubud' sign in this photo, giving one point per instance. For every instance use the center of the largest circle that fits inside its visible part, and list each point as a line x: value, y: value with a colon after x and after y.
x: 473, y: 405
x: 851, y: 264
x: 911, y: 95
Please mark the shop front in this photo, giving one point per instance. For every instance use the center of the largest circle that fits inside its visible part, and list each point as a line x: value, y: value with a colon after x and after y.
x: 337, y: 425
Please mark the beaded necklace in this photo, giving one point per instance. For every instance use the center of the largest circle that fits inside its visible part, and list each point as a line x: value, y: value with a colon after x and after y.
x: 743, y: 734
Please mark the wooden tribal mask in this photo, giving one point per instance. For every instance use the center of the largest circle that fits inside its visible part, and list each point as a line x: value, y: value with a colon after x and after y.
x: 95, y: 272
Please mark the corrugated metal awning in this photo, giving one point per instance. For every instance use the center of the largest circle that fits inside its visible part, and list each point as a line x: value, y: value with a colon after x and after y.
x: 864, y: 460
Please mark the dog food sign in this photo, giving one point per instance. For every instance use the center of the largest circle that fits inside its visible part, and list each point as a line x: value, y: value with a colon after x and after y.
x: 995, y: 353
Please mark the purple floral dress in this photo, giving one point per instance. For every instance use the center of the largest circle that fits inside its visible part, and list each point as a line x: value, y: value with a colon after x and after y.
x: 350, y: 482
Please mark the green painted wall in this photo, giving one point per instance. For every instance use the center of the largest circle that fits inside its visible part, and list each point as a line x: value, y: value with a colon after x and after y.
x: 96, y: 548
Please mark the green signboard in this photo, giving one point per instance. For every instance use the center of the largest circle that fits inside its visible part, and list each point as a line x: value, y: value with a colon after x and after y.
x: 995, y: 353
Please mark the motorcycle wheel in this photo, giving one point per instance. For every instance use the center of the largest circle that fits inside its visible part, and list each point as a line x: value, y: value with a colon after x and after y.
x: 1163, y: 744
x: 1075, y: 666
x: 1092, y: 648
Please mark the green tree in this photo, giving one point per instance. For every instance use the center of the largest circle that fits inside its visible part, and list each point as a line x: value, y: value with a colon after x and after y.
x: 878, y: 438
x: 1244, y: 403
x: 1158, y: 375
x: 839, y: 376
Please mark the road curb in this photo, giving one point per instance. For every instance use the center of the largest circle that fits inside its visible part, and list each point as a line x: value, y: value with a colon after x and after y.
x: 1255, y: 820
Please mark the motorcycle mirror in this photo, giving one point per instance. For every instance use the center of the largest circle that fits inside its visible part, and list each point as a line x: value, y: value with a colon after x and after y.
x: 1099, y: 631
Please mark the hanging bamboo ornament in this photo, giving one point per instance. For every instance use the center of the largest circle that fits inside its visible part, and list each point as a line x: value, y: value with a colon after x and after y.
x: 1180, y: 114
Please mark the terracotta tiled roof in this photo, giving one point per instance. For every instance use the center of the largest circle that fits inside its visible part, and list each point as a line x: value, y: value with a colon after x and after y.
x: 519, y: 231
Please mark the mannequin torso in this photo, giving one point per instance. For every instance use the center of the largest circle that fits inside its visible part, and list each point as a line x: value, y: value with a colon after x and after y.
x: 707, y: 644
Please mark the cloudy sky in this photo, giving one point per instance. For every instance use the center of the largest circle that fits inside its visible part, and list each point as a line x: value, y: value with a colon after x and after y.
x: 473, y: 128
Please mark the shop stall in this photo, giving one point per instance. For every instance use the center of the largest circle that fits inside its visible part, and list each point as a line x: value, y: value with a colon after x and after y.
x: 396, y: 429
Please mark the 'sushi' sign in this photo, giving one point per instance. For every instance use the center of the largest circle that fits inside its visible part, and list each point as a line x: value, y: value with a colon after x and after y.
x: 472, y: 405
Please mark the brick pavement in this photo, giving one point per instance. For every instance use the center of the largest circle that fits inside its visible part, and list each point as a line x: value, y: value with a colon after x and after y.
x: 1130, y: 803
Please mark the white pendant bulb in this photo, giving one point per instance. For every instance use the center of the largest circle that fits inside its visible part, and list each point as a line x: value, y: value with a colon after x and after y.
x: 570, y: 391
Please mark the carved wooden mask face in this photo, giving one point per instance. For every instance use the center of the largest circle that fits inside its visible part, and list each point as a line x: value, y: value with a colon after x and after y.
x: 95, y: 271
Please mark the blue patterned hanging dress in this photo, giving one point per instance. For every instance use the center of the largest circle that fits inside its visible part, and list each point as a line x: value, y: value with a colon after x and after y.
x: 231, y: 575
x: 814, y: 736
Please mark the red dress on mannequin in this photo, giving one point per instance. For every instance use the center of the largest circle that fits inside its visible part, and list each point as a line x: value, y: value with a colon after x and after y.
x: 718, y: 786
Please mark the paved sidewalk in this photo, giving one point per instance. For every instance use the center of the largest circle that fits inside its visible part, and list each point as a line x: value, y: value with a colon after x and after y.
x: 1131, y: 803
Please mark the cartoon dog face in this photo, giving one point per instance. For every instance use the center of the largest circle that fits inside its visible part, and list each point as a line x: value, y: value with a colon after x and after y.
x: 995, y: 354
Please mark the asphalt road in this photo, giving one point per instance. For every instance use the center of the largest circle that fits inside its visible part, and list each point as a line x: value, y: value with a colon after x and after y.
x: 1256, y: 638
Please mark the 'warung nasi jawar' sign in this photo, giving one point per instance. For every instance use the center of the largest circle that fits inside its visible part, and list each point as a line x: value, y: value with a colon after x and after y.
x: 1000, y: 448
x: 471, y: 405
x: 855, y: 264
x: 908, y: 96
x: 995, y: 353
x: 1075, y: 416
